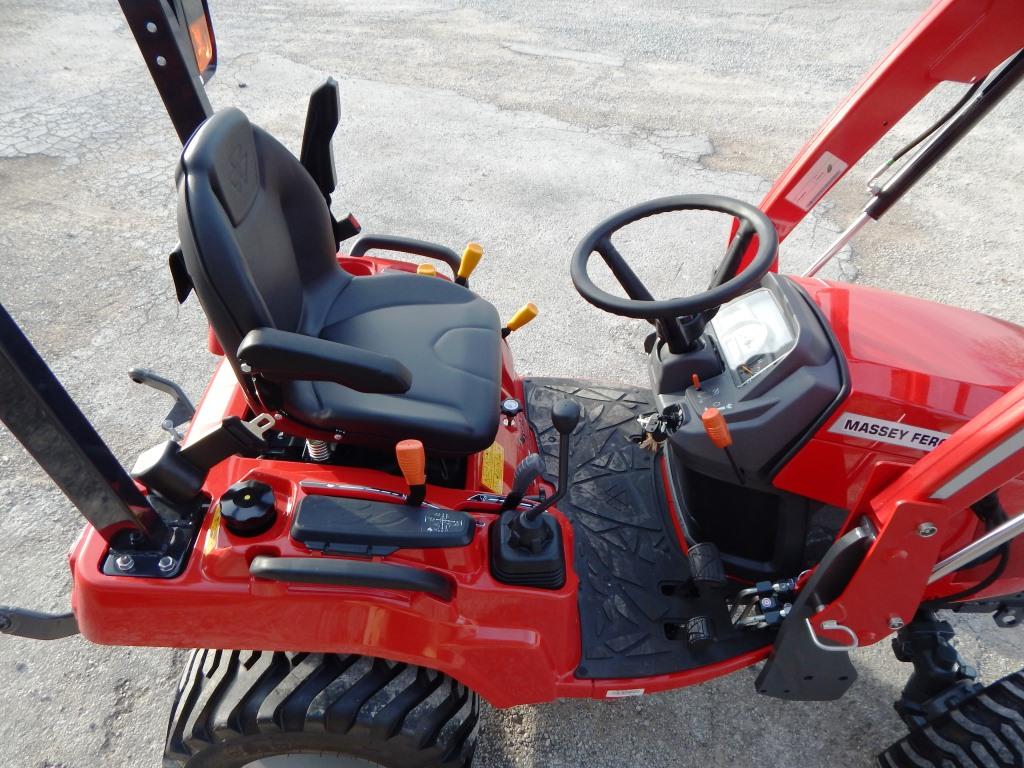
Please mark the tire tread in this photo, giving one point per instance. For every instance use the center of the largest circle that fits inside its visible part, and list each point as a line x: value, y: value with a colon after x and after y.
x: 985, y: 730
x: 391, y: 710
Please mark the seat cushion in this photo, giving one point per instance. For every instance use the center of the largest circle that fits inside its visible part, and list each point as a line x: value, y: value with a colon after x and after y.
x: 446, y: 335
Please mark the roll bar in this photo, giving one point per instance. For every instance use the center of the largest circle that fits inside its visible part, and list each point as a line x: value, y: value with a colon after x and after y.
x: 168, y: 54
x: 43, y: 417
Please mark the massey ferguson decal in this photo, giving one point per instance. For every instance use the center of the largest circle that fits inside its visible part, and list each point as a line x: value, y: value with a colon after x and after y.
x: 893, y: 432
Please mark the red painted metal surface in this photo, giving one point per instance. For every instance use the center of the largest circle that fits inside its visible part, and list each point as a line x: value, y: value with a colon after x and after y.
x: 512, y: 645
x: 935, y: 491
x: 519, y: 645
x: 909, y: 360
x: 924, y: 365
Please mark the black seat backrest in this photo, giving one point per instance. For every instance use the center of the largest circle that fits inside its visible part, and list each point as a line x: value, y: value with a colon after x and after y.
x: 255, y: 232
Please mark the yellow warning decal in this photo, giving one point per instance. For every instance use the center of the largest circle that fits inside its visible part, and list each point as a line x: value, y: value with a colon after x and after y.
x: 213, y: 533
x: 492, y: 468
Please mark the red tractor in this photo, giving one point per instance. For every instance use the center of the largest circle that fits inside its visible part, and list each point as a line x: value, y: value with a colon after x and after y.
x: 372, y: 499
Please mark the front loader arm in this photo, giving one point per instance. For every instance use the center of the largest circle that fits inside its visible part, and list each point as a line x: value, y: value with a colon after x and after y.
x: 917, y: 512
x: 954, y: 40
x: 873, y: 579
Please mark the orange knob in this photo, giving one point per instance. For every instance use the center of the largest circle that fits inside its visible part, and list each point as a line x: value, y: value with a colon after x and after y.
x: 412, y: 460
x: 717, y: 429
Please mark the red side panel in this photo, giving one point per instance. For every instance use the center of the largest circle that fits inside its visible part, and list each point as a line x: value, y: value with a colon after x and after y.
x: 982, y: 457
x: 910, y: 361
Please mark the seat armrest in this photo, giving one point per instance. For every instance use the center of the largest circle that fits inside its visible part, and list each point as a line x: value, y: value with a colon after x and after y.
x: 283, y: 356
x: 407, y: 245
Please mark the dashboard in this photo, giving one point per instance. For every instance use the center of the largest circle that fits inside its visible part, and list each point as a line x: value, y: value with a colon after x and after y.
x: 769, y: 364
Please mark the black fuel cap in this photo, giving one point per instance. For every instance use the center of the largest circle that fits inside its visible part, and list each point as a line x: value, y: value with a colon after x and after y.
x: 247, y: 508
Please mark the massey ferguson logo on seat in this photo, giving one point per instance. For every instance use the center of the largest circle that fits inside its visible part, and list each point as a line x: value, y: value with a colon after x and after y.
x: 893, y: 432
x: 239, y: 167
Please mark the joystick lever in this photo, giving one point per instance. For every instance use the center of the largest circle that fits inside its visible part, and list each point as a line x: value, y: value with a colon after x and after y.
x: 565, y: 415
x: 526, y: 547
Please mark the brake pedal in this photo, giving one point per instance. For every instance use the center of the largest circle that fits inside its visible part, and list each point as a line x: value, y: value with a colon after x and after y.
x: 706, y: 568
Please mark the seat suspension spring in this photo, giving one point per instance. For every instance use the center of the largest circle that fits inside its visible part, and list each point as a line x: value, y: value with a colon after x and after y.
x: 319, y: 450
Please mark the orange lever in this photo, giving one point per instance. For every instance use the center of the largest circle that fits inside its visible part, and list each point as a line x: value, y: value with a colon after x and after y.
x: 715, y: 426
x: 412, y: 460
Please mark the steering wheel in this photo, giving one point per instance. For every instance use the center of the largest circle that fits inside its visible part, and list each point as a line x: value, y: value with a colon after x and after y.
x: 726, y: 285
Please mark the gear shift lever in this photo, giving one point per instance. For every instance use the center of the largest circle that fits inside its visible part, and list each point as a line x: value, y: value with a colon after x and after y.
x: 565, y: 415
x: 529, y: 530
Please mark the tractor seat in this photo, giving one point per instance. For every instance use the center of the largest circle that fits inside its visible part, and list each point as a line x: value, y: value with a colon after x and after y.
x: 376, y: 359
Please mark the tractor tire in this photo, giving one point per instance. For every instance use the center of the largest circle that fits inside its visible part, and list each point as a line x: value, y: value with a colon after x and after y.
x: 263, y: 709
x: 984, y: 730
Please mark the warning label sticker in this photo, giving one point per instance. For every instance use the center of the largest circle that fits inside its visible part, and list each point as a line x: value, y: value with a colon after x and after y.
x: 892, y: 432
x: 492, y: 468
x: 441, y: 521
x: 625, y: 693
x: 816, y: 182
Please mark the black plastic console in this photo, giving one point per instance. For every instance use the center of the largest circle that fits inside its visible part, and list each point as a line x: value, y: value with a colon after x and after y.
x: 377, y: 528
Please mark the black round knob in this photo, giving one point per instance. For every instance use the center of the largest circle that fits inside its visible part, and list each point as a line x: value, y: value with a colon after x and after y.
x: 247, y: 508
x: 510, y: 408
x: 565, y: 415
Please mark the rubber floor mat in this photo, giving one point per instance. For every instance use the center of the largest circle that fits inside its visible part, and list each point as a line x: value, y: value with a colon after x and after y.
x: 633, y: 574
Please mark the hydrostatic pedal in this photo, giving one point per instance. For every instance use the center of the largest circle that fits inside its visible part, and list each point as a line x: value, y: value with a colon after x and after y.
x: 707, y: 573
x: 700, y: 632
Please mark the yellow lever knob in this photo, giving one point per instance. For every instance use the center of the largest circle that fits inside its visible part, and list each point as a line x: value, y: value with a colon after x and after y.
x: 470, y: 258
x: 426, y: 269
x: 523, y: 315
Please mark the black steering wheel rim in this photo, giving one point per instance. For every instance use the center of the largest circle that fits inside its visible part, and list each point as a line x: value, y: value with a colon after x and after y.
x: 598, y: 240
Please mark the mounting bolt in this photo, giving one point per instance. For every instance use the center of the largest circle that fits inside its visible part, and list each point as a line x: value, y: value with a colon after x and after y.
x: 895, y: 623
x: 165, y: 563
x: 124, y: 562
x: 245, y: 368
x: 926, y: 530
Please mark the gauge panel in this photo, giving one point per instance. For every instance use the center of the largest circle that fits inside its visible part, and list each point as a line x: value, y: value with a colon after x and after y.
x: 754, y: 334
